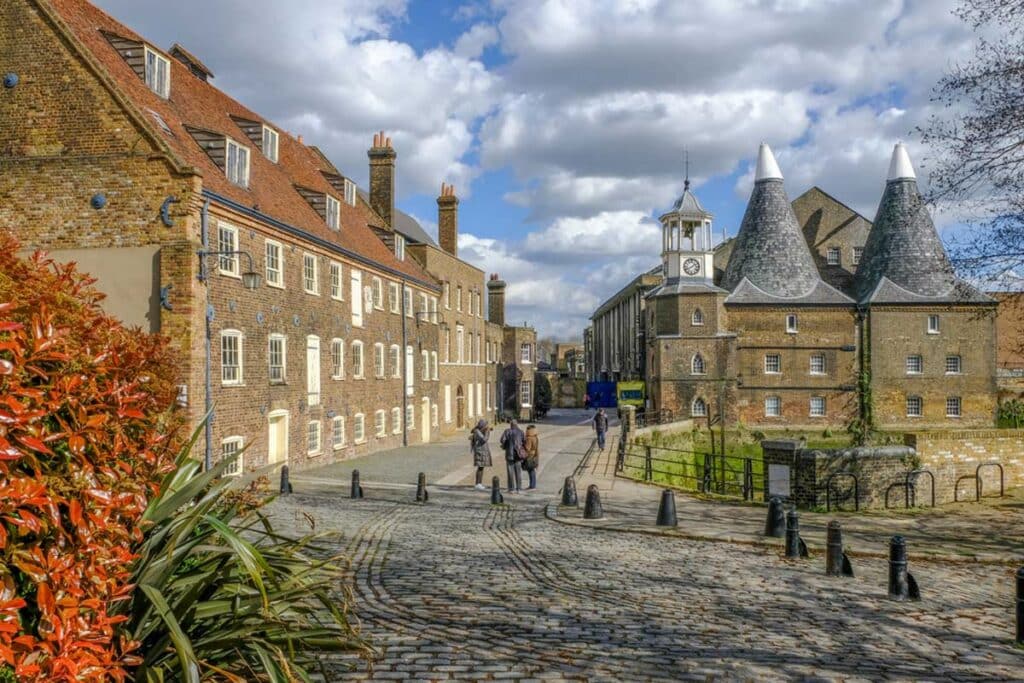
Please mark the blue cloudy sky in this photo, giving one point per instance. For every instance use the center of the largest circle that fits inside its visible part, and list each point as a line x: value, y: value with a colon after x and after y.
x: 562, y: 123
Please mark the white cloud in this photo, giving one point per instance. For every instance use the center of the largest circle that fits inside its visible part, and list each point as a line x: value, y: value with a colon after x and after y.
x: 579, y: 240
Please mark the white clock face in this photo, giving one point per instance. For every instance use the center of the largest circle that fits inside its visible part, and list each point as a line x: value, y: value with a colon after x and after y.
x: 691, y: 266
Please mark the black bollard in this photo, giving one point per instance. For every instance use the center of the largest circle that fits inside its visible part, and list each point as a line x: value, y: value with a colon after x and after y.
x: 775, y: 525
x: 1020, y: 606
x: 286, y: 485
x: 421, y: 489
x: 836, y: 561
x: 569, y: 497
x: 792, y: 534
x: 902, y: 585
x: 592, y: 508
x: 496, y: 497
x: 357, y: 488
x: 667, y: 509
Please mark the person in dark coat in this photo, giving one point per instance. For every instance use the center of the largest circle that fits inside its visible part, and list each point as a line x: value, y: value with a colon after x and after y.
x: 512, y: 440
x: 481, y: 450
x: 601, y: 427
x: 532, y: 447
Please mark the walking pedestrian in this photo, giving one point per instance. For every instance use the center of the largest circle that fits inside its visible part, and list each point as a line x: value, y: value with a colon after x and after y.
x: 586, y: 401
x: 511, y: 441
x: 600, y: 426
x: 532, y: 447
x: 481, y: 450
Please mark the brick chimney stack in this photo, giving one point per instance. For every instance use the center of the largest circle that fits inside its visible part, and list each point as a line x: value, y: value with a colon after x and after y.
x: 496, y: 300
x: 382, y: 177
x: 448, y: 219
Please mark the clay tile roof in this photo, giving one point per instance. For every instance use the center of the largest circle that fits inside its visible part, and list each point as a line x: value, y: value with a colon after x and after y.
x: 198, y: 104
x: 903, y: 246
x: 770, y: 249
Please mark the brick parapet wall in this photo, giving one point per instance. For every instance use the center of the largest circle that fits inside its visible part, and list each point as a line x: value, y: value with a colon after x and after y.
x: 951, y: 455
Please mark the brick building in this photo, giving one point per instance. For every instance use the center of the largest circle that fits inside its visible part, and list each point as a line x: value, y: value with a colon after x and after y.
x: 821, y: 322
x: 204, y: 221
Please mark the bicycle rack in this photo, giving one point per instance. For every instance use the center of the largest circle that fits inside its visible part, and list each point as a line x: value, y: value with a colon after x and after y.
x: 856, y: 491
x: 913, y: 486
x: 908, y: 489
x: 977, y: 479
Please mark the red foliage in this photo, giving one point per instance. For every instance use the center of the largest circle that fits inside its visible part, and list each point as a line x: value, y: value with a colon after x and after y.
x: 85, y: 436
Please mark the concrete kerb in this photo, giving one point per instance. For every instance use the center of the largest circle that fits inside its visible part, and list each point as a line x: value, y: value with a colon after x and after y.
x: 608, y: 524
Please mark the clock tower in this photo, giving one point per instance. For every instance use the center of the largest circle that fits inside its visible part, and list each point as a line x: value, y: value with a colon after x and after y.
x: 687, y: 253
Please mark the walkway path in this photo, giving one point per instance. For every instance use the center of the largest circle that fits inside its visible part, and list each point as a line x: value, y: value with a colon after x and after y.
x: 456, y: 589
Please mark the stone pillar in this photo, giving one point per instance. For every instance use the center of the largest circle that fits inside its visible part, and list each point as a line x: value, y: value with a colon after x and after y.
x: 382, y: 177
x: 448, y: 220
x: 496, y: 300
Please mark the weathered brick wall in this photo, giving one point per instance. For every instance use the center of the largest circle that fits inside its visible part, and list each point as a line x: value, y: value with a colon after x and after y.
x: 954, y: 454
x: 898, y: 332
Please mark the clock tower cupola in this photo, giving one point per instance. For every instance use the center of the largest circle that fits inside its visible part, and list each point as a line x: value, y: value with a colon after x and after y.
x: 687, y: 252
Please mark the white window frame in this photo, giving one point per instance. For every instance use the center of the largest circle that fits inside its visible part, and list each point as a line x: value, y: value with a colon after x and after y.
x: 395, y: 354
x: 237, y: 443
x: 694, y: 412
x: 772, y: 359
x: 915, y: 406
x: 822, y: 369
x: 228, y: 264
x: 915, y: 364
x: 526, y: 389
x: 460, y: 342
x: 933, y: 324
x: 314, y: 438
x: 446, y: 294
x: 237, y: 171
x: 283, y: 367
x: 270, y: 143
x: 458, y: 298
x: 954, y: 406
x: 425, y: 365
x: 337, y: 281
x: 239, y: 368
x: 332, y: 212
x: 957, y: 361
x: 858, y: 253
x: 274, y: 276
x: 697, y: 365
x: 396, y: 420
x: 791, y: 323
x: 817, y: 406
x: 338, y: 358
x: 410, y: 418
x: 526, y: 353
x: 152, y: 73
x: 393, y: 298
x: 380, y: 424
x: 399, y: 247
x: 433, y: 365
x: 434, y: 415
x: 433, y: 309
x: 379, y: 367
x: 356, y: 281
x: 407, y: 302
x: 772, y: 406
x: 834, y: 256
x: 338, y: 432
x: 697, y: 318
x: 378, y: 293
x: 359, y: 428
x: 313, y: 370
x: 350, y: 192
x: 358, y: 360
x: 310, y: 273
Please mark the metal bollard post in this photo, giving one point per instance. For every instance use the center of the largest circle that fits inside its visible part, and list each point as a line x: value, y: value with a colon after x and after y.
x: 648, y: 469
x: 357, y: 488
x: 902, y: 585
x: 421, y: 489
x: 667, y: 509
x: 1020, y: 606
x: 748, y: 479
x: 775, y: 525
x: 496, y: 497
x: 836, y: 561
x: 286, y: 485
x: 792, y: 533
x: 592, y: 509
x: 569, y: 497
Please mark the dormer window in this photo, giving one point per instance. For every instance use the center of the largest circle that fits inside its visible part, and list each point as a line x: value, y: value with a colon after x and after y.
x: 158, y: 73
x: 399, y: 247
x: 332, y: 213
x: 350, y: 192
x: 270, y: 139
x: 791, y: 323
x: 236, y: 163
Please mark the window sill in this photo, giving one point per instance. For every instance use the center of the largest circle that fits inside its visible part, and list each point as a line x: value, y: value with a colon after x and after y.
x: 232, y: 384
x: 933, y: 331
x: 336, y: 298
x: 359, y: 442
x: 275, y: 285
x: 313, y: 454
x: 231, y: 274
x: 337, y: 447
x: 278, y: 383
x: 953, y: 417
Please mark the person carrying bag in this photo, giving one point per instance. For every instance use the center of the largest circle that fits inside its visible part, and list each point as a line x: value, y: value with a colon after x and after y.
x: 532, y: 448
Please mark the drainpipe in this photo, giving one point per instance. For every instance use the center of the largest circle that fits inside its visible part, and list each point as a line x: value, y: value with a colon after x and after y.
x: 203, y: 276
x: 405, y: 369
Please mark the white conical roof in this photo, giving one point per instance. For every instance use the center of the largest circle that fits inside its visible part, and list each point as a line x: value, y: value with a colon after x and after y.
x: 767, y: 167
x: 900, y: 167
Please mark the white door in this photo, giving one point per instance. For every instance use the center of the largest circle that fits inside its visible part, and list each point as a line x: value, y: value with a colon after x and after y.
x: 425, y: 420
x: 277, y: 437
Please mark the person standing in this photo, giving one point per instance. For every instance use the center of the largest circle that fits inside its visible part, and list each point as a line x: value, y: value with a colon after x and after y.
x: 481, y: 450
x: 600, y: 426
x: 532, y: 447
x: 512, y: 440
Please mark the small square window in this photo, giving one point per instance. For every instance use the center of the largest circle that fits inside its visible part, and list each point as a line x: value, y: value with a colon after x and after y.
x: 227, y: 245
x: 270, y: 139
x: 313, y: 438
x: 772, y: 406
x: 337, y: 290
x: 698, y: 318
x: 236, y: 163
x: 310, y: 277
x: 915, y: 365
x: 933, y: 324
x: 914, y: 406
x: 231, y: 449
x: 833, y: 256
x: 332, y: 213
x: 772, y: 364
x: 350, y: 192
x: 817, y: 406
x: 858, y: 252
x: 791, y: 323
x: 952, y: 365
x: 231, y: 357
x: 276, y: 349
x: 953, y: 406
x: 338, y: 432
x: 274, y: 264
x: 158, y: 73
x: 818, y: 364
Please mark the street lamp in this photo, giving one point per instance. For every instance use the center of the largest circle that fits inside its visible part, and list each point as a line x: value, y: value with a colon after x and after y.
x: 250, y: 278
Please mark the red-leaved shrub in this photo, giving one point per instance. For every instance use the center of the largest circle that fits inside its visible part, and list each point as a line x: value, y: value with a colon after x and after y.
x: 86, y: 434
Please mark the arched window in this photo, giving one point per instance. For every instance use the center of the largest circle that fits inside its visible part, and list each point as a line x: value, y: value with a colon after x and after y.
x: 698, y: 317
x: 698, y: 408
x: 697, y: 366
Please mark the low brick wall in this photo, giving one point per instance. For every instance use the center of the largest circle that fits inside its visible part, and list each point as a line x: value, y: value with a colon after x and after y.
x: 800, y: 474
x: 951, y: 455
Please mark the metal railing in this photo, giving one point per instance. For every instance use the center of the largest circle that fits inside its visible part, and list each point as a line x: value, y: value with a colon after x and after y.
x: 651, y: 418
x: 694, y: 470
x: 977, y: 482
x: 909, y: 486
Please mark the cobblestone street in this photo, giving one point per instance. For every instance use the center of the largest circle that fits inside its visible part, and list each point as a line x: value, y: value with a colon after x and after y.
x: 456, y: 589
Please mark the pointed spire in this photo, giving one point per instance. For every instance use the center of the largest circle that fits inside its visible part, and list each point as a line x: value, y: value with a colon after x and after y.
x: 686, y: 163
x: 767, y: 167
x: 900, y: 167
